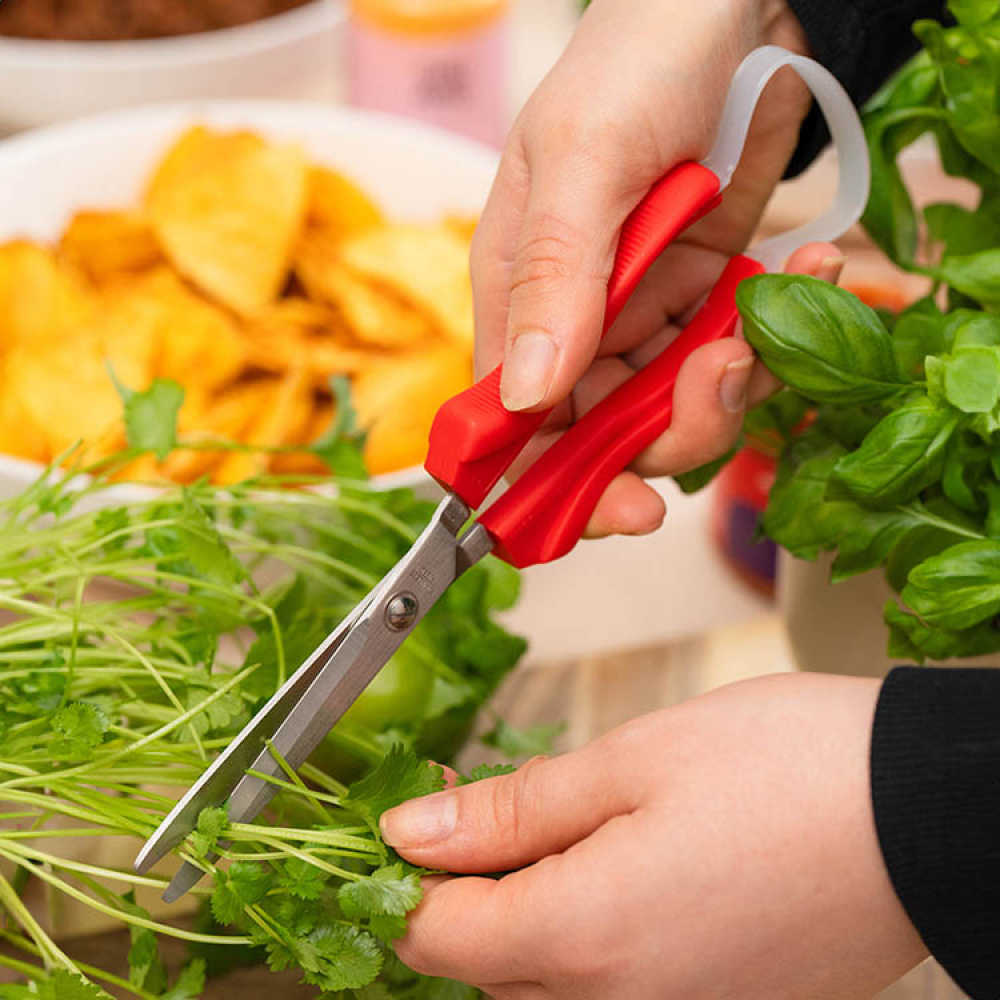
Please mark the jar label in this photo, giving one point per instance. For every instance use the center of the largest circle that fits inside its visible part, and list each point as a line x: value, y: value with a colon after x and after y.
x: 455, y: 81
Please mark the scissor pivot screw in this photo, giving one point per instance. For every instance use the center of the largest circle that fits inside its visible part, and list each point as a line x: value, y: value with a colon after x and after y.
x: 401, y: 612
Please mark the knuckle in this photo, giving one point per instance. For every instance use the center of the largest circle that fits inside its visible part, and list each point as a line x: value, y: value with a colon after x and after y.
x: 510, y: 801
x: 545, y: 258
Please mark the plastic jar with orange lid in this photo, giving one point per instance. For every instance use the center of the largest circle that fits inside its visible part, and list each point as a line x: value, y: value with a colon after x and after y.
x: 443, y: 62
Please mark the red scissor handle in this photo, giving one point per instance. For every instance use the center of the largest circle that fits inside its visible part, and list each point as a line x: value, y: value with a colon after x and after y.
x: 474, y: 438
x: 543, y: 515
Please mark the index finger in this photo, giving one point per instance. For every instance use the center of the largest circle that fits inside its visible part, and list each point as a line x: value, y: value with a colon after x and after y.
x: 529, y: 926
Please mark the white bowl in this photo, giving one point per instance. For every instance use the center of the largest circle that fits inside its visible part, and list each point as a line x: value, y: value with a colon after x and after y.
x: 414, y: 172
x: 290, y: 55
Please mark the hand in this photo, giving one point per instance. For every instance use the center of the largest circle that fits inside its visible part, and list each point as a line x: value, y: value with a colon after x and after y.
x: 724, y: 848
x: 639, y: 89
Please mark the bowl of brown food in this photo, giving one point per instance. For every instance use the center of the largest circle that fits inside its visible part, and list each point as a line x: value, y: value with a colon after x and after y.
x: 60, y: 59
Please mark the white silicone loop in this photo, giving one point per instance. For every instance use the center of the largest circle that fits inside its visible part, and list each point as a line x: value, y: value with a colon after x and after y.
x: 749, y: 81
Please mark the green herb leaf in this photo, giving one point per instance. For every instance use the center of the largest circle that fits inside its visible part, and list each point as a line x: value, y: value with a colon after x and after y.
x: 958, y: 588
x: 190, y: 982
x: 399, y: 777
x: 972, y: 379
x: 145, y: 966
x: 342, y: 446
x: 347, y: 958
x: 967, y: 63
x: 961, y: 231
x: 819, y: 339
x: 697, y: 479
x: 303, y: 880
x: 79, y: 730
x: 974, y: 13
x: 245, y: 883
x: 503, y: 584
x: 903, y: 453
x: 482, y: 772
x: 212, y: 822
x: 919, y: 331
x: 387, y: 892
x: 61, y: 985
x: 799, y: 516
x: 980, y: 330
x: 976, y: 275
x: 151, y: 415
x: 516, y: 743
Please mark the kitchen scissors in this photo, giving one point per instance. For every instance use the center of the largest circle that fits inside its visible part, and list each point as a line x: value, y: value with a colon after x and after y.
x: 474, y: 440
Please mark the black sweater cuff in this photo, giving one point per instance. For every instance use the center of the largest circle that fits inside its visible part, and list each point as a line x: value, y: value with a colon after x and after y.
x: 935, y: 764
x: 862, y: 42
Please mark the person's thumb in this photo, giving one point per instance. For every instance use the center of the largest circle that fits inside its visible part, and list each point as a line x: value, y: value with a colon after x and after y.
x: 559, y: 278
x: 510, y: 821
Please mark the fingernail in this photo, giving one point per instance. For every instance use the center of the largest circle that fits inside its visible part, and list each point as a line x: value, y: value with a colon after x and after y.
x: 528, y: 370
x: 420, y: 822
x: 832, y: 263
x: 734, y: 384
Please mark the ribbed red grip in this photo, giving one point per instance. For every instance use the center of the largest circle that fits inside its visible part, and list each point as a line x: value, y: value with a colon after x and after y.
x: 543, y: 515
x: 474, y: 438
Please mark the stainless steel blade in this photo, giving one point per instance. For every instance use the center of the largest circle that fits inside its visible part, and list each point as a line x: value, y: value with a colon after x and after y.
x: 215, y: 785
x: 308, y: 706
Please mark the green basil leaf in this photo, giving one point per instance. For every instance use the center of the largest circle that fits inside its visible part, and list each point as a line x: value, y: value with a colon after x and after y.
x: 982, y: 330
x: 913, y: 548
x: 972, y: 379
x: 870, y: 538
x: 899, y: 113
x: 776, y: 417
x: 958, y: 588
x: 976, y: 275
x: 992, y: 491
x: 973, y: 13
x: 966, y: 461
x: 968, y: 69
x: 890, y: 217
x: 798, y: 515
x: 819, y: 339
x: 913, y: 639
x: 963, y: 232
x: 919, y: 331
x: 902, y: 455
x: 697, y: 479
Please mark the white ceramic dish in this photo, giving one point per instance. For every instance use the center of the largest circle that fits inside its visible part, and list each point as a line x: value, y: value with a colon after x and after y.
x: 412, y: 171
x: 290, y: 55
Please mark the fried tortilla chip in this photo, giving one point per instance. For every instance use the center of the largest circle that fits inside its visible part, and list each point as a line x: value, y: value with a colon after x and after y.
x: 282, y: 419
x: 198, y: 344
x: 251, y: 277
x: 40, y: 296
x: 65, y: 395
x: 426, y: 266
x: 374, y: 316
x: 227, y: 208
x: 109, y: 245
x: 397, y: 399
x: 337, y: 203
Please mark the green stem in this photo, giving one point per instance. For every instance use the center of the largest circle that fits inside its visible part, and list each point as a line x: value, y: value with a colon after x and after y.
x: 51, y: 953
x: 127, y: 918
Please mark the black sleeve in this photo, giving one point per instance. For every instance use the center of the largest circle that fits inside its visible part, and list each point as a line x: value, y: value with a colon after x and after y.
x: 935, y: 762
x: 862, y: 42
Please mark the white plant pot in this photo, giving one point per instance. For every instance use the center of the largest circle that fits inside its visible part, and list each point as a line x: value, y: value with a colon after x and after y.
x: 838, y: 628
